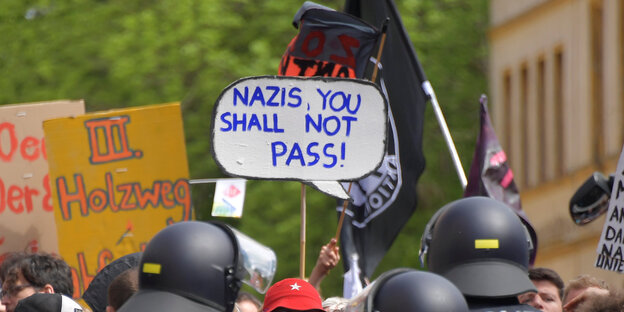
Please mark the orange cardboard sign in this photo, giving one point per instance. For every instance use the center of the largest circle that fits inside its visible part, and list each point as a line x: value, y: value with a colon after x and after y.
x: 26, y: 218
x: 118, y: 177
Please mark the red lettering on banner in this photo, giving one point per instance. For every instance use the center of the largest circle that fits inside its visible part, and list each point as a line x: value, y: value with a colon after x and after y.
x: 162, y: 193
x: 30, y: 147
x: 47, y: 198
x: 347, y: 42
x: 20, y: 199
x: 85, y: 277
x: 108, y: 140
x: 10, y: 128
x: 76, y: 282
x: 320, y: 43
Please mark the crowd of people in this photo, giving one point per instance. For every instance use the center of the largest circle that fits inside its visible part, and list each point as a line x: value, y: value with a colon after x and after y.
x: 476, y: 249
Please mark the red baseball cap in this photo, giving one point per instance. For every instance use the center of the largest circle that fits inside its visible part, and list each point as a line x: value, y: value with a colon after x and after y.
x: 293, y: 294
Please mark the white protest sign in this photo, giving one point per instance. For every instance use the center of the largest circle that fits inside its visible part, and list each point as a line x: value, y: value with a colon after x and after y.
x: 611, y: 240
x: 296, y: 128
x: 229, y: 198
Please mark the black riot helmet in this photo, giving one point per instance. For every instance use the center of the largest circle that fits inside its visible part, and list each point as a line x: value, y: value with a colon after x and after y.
x: 480, y: 245
x: 197, y: 266
x: 404, y: 289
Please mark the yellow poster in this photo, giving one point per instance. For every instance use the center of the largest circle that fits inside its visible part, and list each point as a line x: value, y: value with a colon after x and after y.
x: 118, y: 177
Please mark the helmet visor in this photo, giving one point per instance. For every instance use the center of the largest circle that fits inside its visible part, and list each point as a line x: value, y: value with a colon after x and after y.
x: 259, y: 262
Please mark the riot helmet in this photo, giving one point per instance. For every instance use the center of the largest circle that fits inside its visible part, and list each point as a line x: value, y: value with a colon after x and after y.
x: 480, y: 245
x: 409, y: 290
x: 198, y: 266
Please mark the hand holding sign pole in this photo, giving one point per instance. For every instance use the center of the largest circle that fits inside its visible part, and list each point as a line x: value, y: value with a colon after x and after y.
x: 315, y: 130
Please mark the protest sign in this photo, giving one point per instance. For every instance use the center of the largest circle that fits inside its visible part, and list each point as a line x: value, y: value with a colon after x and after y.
x: 26, y: 218
x: 229, y: 197
x: 295, y: 128
x: 118, y: 177
x: 612, y: 239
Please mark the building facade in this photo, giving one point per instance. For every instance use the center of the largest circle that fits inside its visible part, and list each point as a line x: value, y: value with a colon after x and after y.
x: 557, y: 102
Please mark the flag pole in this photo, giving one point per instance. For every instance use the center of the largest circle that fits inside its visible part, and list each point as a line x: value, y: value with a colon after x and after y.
x: 302, y: 233
x: 384, y: 31
x: 426, y: 85
x: 428, y: 89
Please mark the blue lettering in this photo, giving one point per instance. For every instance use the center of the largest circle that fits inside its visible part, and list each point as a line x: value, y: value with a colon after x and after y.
x: 313, y: 154
x: 238, y: 95
x: 275, y: 153
x: 359, y: 101
x: 227, y: 122
x: 349, y: 119
x: 336, y: 128
x: 275, y: 126
x: 270, y: 100
x: 241, y: 122
x: 295, y: 153
x: 257, y: 96
x: 332, y: 156
x: 345, y: 98
x: 324, y: 95
x: 254, y: 122
x: 317, y: 125
x: 294, y: 96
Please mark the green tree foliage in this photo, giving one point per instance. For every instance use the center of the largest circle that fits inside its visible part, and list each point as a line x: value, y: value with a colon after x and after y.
x: 117, y: 53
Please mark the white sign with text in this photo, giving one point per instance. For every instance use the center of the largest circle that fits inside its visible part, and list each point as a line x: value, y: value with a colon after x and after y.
x: 295, y: 128
x: 611, y: 240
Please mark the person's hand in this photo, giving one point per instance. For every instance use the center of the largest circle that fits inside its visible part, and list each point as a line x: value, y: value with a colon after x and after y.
x: 587, y: 293
x: 328, y: 257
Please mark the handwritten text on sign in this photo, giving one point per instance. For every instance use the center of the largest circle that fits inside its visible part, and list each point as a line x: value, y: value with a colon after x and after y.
x: 117, y: 177
x: 26, y: 218
x: 316, y: 129
x: 612, y: 238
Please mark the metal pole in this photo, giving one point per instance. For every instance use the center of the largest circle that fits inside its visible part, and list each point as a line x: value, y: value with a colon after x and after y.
x: 426, y: 85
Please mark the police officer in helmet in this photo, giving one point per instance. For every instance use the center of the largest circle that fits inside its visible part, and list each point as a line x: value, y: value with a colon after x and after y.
x: 480, y: 245
x: 404, y: 289
x: 199, y: 266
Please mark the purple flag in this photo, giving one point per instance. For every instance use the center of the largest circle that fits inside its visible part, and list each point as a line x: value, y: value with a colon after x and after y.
x: 491, y: 176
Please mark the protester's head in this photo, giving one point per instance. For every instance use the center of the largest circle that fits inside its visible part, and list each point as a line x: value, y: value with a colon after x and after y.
x: 246, y: 302
x: 582, y: 288
x: 191, y: 266
x: 44, y: 302
x: 122, y: 288
x: 33, y: 273
x: 613, y: 302
x: 480, y: 245
x: 411, y: 290
x: 96, y: 295
x: 549, y: 290
x: 335, y: 304
x: 292, y: 294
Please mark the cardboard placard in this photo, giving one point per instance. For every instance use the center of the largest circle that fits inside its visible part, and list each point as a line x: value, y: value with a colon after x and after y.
x: 229, y: 198
x: 296, y: 128
x: 612, y: 238
x: 26, y: 218
x: 118, y: 178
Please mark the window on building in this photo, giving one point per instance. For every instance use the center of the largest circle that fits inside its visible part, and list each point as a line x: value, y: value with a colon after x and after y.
x: 597, y: 133
x: 541, y: 118
x: 524, y: 124
x: 558, y: 112
x: 506, y: 122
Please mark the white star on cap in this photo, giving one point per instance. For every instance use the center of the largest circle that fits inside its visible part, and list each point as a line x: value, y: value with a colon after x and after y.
x: 295, y: 286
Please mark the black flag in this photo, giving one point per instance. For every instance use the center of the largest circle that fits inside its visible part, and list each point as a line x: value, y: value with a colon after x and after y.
x: 385, y: 200
x: 491, y: 176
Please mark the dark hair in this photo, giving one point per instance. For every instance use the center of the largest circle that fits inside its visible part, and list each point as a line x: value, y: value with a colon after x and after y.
x: 123, y: 287
x: 8, y: 262
x: 549, y: 275
x: 40, y: 269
